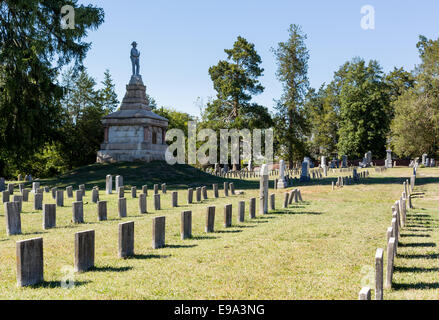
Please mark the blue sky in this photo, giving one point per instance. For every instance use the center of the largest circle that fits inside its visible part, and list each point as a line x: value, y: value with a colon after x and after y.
x: 180, y: 39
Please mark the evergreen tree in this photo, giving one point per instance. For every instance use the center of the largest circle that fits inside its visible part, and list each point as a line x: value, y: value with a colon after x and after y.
x: 108, y: 94
x: 31, y: 38
x: 291, y: 125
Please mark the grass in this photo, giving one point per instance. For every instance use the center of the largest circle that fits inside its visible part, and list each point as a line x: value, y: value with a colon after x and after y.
x: 322, y: 248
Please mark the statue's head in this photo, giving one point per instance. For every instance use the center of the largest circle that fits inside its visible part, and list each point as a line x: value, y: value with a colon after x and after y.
x: 134, y: 44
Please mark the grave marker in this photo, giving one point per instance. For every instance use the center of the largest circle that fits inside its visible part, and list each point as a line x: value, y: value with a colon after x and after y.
x: 126, y: 239
x: 78, y: 212
x: 186, y: 225
x: 158, y: 232
x: 210, y: 219
x: 30, y: 264
x: 122, y: 207
x: 49, y: 216
x: 84, y: 250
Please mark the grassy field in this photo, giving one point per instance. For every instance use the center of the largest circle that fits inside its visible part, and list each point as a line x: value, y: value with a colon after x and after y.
x: 323, y: 248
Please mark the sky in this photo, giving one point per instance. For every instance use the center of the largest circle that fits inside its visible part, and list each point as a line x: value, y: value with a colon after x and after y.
x: 180, y: 39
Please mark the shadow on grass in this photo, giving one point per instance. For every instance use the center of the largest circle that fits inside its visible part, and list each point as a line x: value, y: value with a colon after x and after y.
x: 110, y: 269
x: 417, y: 245
x: 57, y: 284
x: 295, y: 212
x: 228, y: 231
x: 419, y: 286
x: 419, y: 256
x: 244, y: 227
x: 147, y: 257
x: 203, y: 238
x: 415, y: 235
x: 33, y: 233
x: 180, y: 246
x: 415, y: 269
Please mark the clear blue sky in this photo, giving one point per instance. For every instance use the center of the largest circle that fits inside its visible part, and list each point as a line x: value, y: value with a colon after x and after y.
x: 180, y: 39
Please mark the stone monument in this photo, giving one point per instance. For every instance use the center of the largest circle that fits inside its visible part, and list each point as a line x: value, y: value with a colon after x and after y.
x: 134, y: 132
x: 388, y: 161
x: 281, y: 183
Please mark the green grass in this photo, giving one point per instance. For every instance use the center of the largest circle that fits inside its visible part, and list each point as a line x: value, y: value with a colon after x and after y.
x: 323, y: 248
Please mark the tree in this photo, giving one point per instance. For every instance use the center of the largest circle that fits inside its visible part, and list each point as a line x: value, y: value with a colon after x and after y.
x: 323, y: 119
x: 108, y: 94
x: 31, y: 38
x: 292, y: 60
x: 365, y: 111
x: 415, y: 128
x: 236, y: 82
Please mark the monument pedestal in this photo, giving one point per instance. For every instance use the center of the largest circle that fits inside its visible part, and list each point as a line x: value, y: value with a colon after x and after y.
x: 134, y: 132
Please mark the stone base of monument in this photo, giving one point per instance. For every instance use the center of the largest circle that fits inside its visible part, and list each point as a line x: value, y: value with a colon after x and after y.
x: 134, y: 132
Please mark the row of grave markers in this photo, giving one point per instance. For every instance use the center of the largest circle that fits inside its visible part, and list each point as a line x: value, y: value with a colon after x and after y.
x: 30, y: 257
x: 399, y: 218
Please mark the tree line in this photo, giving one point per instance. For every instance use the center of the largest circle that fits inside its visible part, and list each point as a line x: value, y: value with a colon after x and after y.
x: 50, y: 108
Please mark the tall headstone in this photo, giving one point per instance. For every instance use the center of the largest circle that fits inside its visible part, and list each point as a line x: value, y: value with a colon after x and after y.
x: 49, y: 216
x: 158, y: 232
x: 186, y: 225
x: 122, y: 207
x: 109, y: 184
x: 84, y: 250
x: 78, y: 212
x: 12, y: 218
x: 263, y: 189
x: 210, y: 219
x: 281, y: 183
x: 119, y: 182
x: 388, y: 161
x: 126, y: 239
x: 304, y: 175
x: 30, y: 264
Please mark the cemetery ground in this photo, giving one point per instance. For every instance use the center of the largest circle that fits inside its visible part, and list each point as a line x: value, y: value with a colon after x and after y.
x: 322, y: 248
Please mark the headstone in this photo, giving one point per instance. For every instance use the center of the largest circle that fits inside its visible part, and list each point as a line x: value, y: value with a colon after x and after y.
x: 25, y: 195
x: 121, y: 192
x: 119, y: 182
x: 82, y: 188
x: 272, y: 202
x: 226, y: 189
x: 379, y: 263
x: 304, y: 176
x: 156, y: 189
x: 38, y: 201
x: 388, y: 162
x: 19, y: 201
x: 164, y: 188
x: 241, y: 211
x: 204, y: 192
x: 69, y: 191
x: 145, y: 189
x: 109, y: 184
x: 232, y: 188
x: 5, y: 196
x: 186, y: 225
x: 286, y: 200
x: 11, y: 187
x: 94, y: 196
x: 344, y: 161
x: 365, y: 294
x: 30, y: 264
x: 158, y: 232
x: 198, y: 194
x: 79, y: 195
x: 281, y: 183
x: 122, y: 207
x: 60, y: 198
x: 78, y: 212
x: 190, y: 195
x: 252, y: 208
x: 263, y: 189
x: 210, y: 219
x: 49, y: 216
x: 142, y: 203
x: 84, y: 250
x: 12, y: 219
x: 157, y: 202
x: 174, y: 199
x: 215, y: 190
x: 227, y: 216
x: 424, y: 159
x: 390, y: 260
x: 102, y: 211
x: 126, y: 239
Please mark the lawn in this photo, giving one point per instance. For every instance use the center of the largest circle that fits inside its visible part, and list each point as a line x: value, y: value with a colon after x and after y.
x: 323, y: 248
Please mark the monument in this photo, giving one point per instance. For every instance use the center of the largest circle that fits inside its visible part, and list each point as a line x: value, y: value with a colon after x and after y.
x: 134, y: 132
x: 282, y: 183
x: 388, y: 162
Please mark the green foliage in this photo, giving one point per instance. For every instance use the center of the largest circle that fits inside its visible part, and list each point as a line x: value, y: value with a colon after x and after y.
x: 236, y: 81
x: 365, y: 112
x: 177, y: 120
x: 291, y: 125
x: 108, y: 94
x: 415, y: 129
x: 31, y: 38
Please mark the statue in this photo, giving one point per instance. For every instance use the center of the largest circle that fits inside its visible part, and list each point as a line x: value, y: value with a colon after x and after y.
x: 135, y: 54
